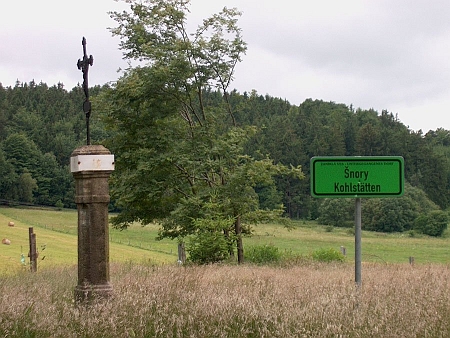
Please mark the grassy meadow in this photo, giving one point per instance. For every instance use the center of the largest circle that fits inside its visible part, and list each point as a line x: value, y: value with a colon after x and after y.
x: 56, y: 232
x: 305, y: 300
x: 56, y: 237
x: 154, y: 297
x: 307, y: 237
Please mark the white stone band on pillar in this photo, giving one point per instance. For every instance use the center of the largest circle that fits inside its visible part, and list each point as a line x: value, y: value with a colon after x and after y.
x: 91, y: 163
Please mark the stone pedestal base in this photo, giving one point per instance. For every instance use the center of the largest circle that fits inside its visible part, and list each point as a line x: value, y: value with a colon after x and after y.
x: 91, y: 167
x: 91, y: 292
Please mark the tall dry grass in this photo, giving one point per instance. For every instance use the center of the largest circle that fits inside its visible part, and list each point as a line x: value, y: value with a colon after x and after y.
x: 313, y: 300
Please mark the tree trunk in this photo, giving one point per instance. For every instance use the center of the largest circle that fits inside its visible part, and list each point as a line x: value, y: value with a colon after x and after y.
x: 240, y: 247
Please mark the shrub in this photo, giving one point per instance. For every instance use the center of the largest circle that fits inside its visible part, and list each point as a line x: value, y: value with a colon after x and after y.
x: 328, y: 255
x: 432, y: 224
x: 209, y: 244
x: 351, y: 231
x: 262, y: 254
x: 396, y: 214
x: 59, y: 204
x: 389, y: 214
x: 412, y: 233
x: 329, y: 228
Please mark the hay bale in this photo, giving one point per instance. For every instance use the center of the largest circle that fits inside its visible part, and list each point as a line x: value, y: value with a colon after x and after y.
x: 6, y: 241
x: 11, y: 224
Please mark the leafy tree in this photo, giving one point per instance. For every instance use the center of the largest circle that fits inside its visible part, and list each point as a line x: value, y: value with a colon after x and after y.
x: 176, y: 150
x: 29, y: 123
x: 25, y: 187
x: 269, y: 197
x: 51, y: 181
x: 427, y: 169
x: 187, y: 114
x: 421, y: 202
x: 3, y: 112
x: 396, y: 214
x: 368, y: 140
x: 21, y: 152
x: 8, y: 178
x: 393, y: 134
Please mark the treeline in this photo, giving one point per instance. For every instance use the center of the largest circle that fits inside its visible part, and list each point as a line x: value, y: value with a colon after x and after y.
x: 292, y: 134
x: 40, y: 126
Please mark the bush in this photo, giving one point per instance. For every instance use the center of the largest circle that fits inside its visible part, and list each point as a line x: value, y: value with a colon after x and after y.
x: 328, y: 255
x: 209, y: 244
x: 263, y: 254
x: 329, y: 228
x: 389, y: 214
x: 396, y: 214
x: 59, y: 204
x: 432, y: 224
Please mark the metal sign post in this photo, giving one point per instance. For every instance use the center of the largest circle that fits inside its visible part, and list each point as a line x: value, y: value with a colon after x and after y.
x: 357, y: 177
x: 358, y: 252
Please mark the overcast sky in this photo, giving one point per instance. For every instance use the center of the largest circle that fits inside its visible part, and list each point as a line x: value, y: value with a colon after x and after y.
x: 380, y: 54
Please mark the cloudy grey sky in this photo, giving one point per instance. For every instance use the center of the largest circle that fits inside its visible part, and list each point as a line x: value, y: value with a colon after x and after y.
x: 380, y: 54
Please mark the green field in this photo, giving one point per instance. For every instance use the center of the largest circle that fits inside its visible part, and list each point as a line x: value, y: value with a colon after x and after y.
x: 56, y: 237
x: 57, y: 232
x: 307, y: 237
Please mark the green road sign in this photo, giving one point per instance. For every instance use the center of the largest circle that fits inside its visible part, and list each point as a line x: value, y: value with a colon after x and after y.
x: 355, y: 176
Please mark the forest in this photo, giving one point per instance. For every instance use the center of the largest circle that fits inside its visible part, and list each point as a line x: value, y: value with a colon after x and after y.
x: 40, y: 126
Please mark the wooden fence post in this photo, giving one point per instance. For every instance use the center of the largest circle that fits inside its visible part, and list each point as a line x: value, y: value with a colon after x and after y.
x: 181, y: 253
x: 33, y: 252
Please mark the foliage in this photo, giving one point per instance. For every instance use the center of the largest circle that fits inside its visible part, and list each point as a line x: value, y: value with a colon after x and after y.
x: 337, y: 212
x: 269, y: 197
x: 41, y: 128
x: 25, y: 187
x: 382, y: 215
x: 289, y: 134
x: 388, y: 214
x: 395, y: 214
x: 59, y: 204
x: 176, y: 148
x: 327, y: 255
x: 208, y: 244
x: 8, y: 178
x: 186, y: 82
x: 263, y: 254
x: 433, y: 224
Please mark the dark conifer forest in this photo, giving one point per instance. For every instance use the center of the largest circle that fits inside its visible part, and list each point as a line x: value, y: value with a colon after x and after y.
x: 40, y: 126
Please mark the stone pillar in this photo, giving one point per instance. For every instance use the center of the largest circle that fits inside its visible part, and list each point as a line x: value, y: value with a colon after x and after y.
x: 91, y: 166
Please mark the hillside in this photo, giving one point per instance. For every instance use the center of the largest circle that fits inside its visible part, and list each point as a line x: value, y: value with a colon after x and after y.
x: 34, y: 164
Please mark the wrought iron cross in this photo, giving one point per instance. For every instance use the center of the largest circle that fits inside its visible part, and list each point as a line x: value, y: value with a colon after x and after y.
x: 84, y: 66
